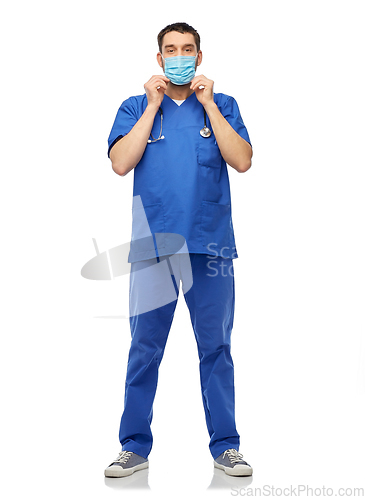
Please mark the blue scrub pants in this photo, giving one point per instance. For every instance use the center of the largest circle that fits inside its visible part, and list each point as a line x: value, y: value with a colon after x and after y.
x: 210, y: 301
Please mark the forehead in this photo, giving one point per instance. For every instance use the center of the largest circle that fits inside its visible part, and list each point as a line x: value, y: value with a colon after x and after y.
x: 178, y: 39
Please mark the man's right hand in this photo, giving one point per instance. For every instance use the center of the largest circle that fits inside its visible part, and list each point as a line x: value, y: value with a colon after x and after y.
x: 127, y: 152
x: 155, y: 89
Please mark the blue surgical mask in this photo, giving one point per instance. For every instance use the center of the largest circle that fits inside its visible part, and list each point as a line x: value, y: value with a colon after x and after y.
x: 180, y: 69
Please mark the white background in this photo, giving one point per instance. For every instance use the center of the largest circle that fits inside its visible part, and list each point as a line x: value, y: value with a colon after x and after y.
x: 296, y: 71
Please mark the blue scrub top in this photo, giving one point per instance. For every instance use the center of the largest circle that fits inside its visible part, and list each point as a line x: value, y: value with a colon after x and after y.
x: 181, y: 181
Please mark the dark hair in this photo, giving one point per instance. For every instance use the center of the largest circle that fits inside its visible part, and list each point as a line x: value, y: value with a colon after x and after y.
x: 181, y: 28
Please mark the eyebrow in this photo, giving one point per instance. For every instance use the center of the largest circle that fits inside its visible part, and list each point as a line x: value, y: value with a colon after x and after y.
x: 185, y: 45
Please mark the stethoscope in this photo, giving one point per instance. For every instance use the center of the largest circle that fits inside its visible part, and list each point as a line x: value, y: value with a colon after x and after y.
x: 205, y: 131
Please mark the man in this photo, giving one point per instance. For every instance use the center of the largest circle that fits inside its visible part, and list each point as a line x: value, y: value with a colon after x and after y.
x: 179, y: 137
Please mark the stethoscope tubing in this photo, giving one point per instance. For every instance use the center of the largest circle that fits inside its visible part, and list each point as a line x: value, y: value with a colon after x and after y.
x: 205, y: 131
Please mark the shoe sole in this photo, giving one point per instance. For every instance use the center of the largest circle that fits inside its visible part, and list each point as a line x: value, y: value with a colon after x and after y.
x: 118, y: 471
x: 238, y: 470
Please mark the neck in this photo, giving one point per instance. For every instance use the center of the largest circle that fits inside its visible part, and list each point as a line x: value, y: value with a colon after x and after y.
x: 178, y: 92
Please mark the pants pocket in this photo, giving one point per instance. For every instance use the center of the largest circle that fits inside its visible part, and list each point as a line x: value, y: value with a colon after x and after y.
x: 146, y: 221
x: 216, y: 225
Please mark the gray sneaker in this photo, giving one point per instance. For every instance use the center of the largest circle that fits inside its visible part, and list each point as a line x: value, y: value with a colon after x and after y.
x: 232, y: 463
x: 126, y: 463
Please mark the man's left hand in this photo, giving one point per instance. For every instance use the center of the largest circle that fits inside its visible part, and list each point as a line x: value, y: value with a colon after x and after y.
x: 205, y: 95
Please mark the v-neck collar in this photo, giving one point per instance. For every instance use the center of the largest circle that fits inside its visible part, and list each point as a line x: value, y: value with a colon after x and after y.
x: 172, y: 111
x: 182, y: 104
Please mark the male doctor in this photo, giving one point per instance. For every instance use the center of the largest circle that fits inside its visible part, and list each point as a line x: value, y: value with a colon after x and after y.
x: 179, y: 137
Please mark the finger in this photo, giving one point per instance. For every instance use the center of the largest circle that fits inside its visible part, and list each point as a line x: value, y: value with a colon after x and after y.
x: 198, y: 83
x: 163, y: 89
x: 201, y: 77
x: 162, y: 86
x: 160, y: 83
x: 202, y: 86
x: 196, y: 79
x: 199, y: 80
x: 160, y: 77
x: 156, y: 80
x: 156, y: 83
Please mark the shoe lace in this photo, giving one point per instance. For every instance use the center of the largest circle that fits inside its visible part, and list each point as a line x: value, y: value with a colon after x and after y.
x: 233, y: 455
x: 123, y: 457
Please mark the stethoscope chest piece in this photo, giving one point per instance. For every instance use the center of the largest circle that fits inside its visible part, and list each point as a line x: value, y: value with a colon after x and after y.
x: 205, y: 132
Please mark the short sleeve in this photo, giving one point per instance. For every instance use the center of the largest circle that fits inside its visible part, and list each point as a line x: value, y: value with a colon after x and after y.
x: 124, y: 122
x: 232, y: 114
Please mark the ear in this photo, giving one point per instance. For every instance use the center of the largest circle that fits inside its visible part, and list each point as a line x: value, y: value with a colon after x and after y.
x: 159, y: 59
x: 200, y: 57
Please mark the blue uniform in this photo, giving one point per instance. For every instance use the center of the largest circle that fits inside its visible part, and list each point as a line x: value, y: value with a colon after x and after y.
x: 182, y: 184
x: 182, y: 180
